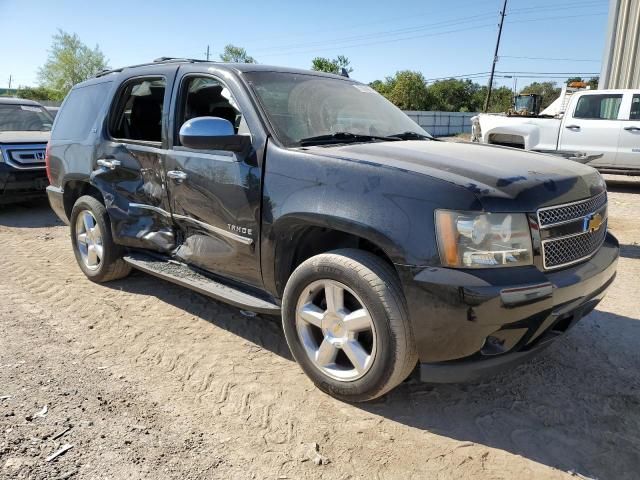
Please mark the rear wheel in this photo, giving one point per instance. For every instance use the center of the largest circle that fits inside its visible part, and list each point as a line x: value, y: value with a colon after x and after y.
x: 99, y: 258
x: 346, y: 323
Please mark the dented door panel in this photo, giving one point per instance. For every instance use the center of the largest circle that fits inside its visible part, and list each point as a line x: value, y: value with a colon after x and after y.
x: 135, y: 195
x: 217, y: 209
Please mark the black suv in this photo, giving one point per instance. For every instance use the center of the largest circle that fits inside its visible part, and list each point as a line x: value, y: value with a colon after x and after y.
x: 24, y: 132
x: 309, y: 195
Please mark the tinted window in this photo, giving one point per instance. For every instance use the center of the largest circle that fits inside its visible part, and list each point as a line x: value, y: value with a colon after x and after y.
x: 207, y: 97
x: 635, y: 108
x: 79, y: 112
x: 24, y: 118
x: 138, y: 112
x: 600, y: 107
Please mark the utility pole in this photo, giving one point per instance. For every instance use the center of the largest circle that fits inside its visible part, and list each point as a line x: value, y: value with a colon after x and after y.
x: 495, y: 57
x: 207, y: 53
x: 9, y: 82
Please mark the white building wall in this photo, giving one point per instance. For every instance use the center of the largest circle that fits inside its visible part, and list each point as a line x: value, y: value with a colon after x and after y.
x: 621, y: 60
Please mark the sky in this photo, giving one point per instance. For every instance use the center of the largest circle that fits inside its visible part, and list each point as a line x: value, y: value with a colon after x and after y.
x: 438, y: 38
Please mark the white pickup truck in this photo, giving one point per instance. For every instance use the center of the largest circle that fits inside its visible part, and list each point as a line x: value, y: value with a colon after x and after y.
x: 597, y: 127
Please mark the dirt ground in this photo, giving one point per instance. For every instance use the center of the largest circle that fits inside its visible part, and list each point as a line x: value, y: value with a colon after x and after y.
x: 148, y: 380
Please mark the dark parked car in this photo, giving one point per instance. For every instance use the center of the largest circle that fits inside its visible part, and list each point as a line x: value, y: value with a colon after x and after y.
x: 53, y: 111
x: 24, y: 132
x: 309, y: 195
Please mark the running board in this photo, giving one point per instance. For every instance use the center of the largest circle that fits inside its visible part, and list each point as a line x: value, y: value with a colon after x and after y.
x: 184, y: 276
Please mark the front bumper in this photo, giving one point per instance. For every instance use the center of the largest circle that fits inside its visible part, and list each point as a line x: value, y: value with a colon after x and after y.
x: 471, y: 323
x: 20, y: 185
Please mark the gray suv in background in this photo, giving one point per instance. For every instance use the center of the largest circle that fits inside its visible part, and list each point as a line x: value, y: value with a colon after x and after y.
x: 24, y: 133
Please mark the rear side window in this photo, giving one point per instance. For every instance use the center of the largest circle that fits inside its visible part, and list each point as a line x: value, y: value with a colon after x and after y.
x: 78, y: 114
x: 635, y: 108
x: 138, y: 111
x: 598, y: 107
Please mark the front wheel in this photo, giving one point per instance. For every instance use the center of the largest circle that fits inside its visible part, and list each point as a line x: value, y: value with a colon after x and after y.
x: 99, y: 258
x: 346, y: 323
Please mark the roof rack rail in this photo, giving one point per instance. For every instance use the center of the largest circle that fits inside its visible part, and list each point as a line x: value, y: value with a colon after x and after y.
x: 104, y: 72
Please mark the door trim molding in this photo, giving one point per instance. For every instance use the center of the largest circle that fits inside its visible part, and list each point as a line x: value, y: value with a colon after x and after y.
x: 206, y: 226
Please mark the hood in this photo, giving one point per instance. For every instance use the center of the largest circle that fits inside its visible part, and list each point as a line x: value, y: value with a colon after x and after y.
x: 503, y: 179
x: 24, y: 137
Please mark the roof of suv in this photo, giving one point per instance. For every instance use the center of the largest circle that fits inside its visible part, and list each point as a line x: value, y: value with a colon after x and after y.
x: 17, y: 101
x: 239, y: 67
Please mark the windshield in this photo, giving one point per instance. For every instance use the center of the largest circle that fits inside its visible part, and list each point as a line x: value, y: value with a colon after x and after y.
x: 24, y: 118
x: 303, y: 107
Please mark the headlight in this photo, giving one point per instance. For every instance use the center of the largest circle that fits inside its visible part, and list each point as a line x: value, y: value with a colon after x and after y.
x: 483, y: 240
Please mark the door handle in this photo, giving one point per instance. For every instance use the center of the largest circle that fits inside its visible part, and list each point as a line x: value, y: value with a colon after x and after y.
x: 177, y: 175
x: 573, y: 127
x: 632, y: 129
x: 110, y: 164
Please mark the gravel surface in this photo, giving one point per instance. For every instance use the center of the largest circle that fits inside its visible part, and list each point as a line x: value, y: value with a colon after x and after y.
x: 139, y: 378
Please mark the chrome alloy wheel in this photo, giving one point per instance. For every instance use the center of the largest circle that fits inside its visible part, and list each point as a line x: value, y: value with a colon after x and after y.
x: 336, y: 330
x: 89, y: 240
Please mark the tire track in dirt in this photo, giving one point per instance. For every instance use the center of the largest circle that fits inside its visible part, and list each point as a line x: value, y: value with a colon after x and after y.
x: 235, y: 377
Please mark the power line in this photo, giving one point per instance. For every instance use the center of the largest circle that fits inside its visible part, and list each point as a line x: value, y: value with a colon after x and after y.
x: 476, y: 27
x: 555, y: 6
x: 444, y: 23
x: 358, y: 25
x: 552, y: 59
x: 512, y: 73
x: 553, y: 73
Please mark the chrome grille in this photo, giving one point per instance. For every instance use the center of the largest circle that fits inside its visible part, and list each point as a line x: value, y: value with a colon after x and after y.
x: 24, y: 157
x: 563, y: 251
x: 571, y: 211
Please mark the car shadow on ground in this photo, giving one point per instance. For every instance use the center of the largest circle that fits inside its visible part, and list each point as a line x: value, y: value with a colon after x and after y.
x: 31, y: 214
x: 574, y: 407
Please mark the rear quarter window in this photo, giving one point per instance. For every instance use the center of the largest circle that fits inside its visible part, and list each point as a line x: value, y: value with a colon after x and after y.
x: 78, y: 113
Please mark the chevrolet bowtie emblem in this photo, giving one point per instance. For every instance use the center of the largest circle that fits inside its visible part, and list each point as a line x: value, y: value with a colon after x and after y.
x: 592, y: 222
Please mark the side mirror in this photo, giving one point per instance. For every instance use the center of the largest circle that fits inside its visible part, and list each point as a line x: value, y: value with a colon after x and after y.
x: 212, y: 133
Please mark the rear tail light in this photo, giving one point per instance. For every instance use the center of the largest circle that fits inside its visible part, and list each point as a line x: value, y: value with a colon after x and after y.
x: 47, y: 163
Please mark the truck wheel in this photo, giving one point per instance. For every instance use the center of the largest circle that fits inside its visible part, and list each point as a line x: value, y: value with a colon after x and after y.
x: 99, y: 258
x: 346, y: 323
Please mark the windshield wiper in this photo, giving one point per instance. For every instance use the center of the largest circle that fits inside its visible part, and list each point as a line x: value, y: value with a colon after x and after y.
x: 340, y: 137
x: 408, y: 135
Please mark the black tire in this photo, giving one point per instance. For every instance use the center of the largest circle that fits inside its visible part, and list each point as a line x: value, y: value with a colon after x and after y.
x: 377, y: 285
x: 111, y: 265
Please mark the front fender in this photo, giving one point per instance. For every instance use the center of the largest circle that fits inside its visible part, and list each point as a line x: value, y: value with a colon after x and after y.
x: 393, y: 209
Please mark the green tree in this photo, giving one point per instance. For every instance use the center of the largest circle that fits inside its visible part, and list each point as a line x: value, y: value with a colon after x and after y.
x: 501, y: 99
x: 548, y: 90
x: 406, y: 89
x: 236, y: 54
x: 410, y: 91
x: 37, y: 93
x: 593, y: 82
x: 322, y: 64
x: 454, y: 95
x: 70, y: 61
